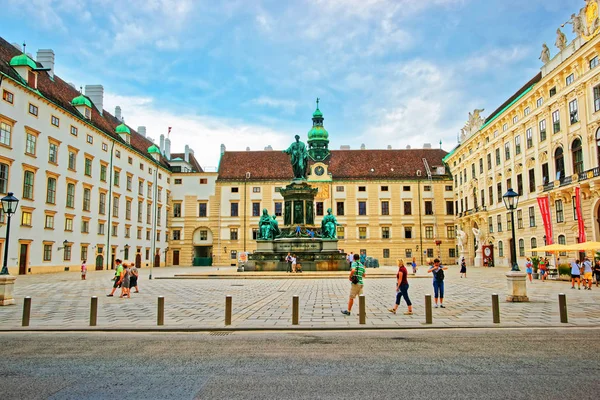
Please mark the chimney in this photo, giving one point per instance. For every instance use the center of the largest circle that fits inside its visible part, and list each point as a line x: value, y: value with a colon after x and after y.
x: 46, y: 58
x: 118, y: 113
x: 363, y: 147
x: 168, y: 148
x: 222, y: 149
x: 427, y: 145
x: 142, y: 130
x: 389, y: 147
x: 96, y: 94
x: 408, y: 147
x: 247, y: 148
x: 186, y: 156
x: 345, y: 147
x: 269, y: 148
x: 162, y: 144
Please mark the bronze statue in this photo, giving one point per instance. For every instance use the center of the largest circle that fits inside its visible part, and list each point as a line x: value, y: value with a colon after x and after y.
x: 264, y: 225
x: 329, y: 226
x: 299, y: 158
x: 287, y: 214
x: 275, y: 227
x: 298, y: 212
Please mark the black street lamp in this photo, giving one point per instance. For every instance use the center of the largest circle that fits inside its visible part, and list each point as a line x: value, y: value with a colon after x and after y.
x: 511, y: 200
x: 9, y: 206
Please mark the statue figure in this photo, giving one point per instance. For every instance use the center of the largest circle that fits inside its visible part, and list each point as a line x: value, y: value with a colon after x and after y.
x: 298, y: 212
x: 264, y: 225
x: 460, y: 240
x: 545, y: 56
x: 477, y: 234
x: 287, y: 213
x: 310, y: 214
x: 561, y: 40
x: 473, y: 124
x: 329, y: 226
x: 299, y: 158
x: 275, y: 227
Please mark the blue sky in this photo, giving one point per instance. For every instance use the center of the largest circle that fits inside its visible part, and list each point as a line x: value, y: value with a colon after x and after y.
x: 246, y: 73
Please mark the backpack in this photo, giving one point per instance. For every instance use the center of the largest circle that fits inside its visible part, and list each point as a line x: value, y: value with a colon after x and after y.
x: 439, y: 275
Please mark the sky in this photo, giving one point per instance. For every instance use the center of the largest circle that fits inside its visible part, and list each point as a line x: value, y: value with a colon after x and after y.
x: 246, y: 73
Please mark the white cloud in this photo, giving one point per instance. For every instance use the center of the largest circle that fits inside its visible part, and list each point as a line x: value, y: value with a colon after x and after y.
x: 288, y: 106
x: 496, y: 57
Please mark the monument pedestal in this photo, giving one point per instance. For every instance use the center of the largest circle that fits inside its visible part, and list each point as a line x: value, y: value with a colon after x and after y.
x: 7, y: 283
x: 517, y: 287
x: 478, y: 261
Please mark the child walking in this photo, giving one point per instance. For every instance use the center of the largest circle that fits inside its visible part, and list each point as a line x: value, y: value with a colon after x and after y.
x: 83, y: 270
x: 529, y: 269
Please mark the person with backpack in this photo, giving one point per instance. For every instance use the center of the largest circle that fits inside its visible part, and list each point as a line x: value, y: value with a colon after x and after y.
x: 357, y: 273
x: 438, y: 281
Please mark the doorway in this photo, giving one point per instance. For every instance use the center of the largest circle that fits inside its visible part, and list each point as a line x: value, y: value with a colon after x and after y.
x: 99, y: 262
x: 138, y: 260
x: 157, y: 261
x: 23, y: 253
x: 175, y: 257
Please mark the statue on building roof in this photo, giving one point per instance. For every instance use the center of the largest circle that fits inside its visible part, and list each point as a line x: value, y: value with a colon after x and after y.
x: 545, y: 55
x: 561, y: 40
x: 299, y: 158
x: 578, y: 28
x: 474, y: 123
x: 329, y: 226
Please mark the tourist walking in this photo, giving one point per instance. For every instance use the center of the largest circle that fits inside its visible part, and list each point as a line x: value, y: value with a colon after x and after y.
x: 543, y: 268
x: 350, y: 259
x: 414, y: 265
x: 133, y: 281
x: 587, y: 274
x: 294, y: 262
x: 288, y: 259
x: 438, y: 281
x: 363, y: 258
x: 529, y: 269
x: 575, y: 274
x: 125, y: 281
x: 401, y: 288
x: 357, y: 273
x: 117, y: 277
x: 83, y: 270
x: 463, y: 268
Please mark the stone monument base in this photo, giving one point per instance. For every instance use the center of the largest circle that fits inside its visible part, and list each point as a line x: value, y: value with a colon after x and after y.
x: 7, y: 283
x: 517, y: 287
x: 312, y: 254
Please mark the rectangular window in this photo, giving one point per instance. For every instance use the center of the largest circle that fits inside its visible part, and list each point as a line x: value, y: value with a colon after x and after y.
x: 74, y: 130
x: 158, y: 214
x: 340, y: 232
x: 202, y: 210
x: 552, y: 91
x: 558, y: 205
x: 526, y: 111
x: 529, y: 138
x: 531, y: 180
x: 148, y: 212
x: 49, y: 222
x: 556, y: 121
x: 427, y: 188
x: 515, y: 119
x: 116, y: 178
x: 428, y: 232
x: 233, y: 234
x: 499, y: 191
x: 594, y: 62
x: 507, y: 151
x: 26, y: 218
x: 449, y: 207
x: 385, y: 207
x: 489, y: 161
x: 28, y: 185
x: 574, y: 202
x: 498, y: 159
x: 33, y: 110
x: 72, y: 160
x: 127, y: 209
x: 339, y: 188
x: 115, y: 230
x: 573, y: 112
x: 47, y: 252
x: 480, y: 166
x: 499, y: 221
x: 508, y: 222
x: 69, y: 224
x: 386, y: 253
x: 384, y: 189
x: 520, y: 219
x: 407, y: 208
x: 176, y: 210
x: 448, y: 188
x: 490, y: 225
x: 90, y: 140
x: 176, y: 234
x: 103, y: 173
x: 115, y: 206
x: 504, y: 127
x: 491, y: 194
x: 101, y: 226
x: 234, y: 190
x: 256, y: 209
x: 54, y: 121
x: 450, y: 234
x: 320, y: 208
x: 177, y: 181
x: 129, y: 182
x: 428, y: 207
x: 520, y: 184
x: 86, y: 199
x: 362, y: 232
x: 385, y: 232
x: 234, y: 209
x: 5, y: 132
x: 406, y: 188
x: 517, y: 144
x: 570, y: 79
x: 149, y: 191
x: 51, y: 191
x: 8, y: 96
x: 53, y: 153
x: 362, y: 208
x: 256, y: 189
x: 102, y: 204
x: 532, y: 217
x: 30, y: 143
x: 85, y: 227
x: 279, y: 208
x: 340, y: 208
x: 452, y: 253
x: 542, y: 130
x: 88, y: 167
x: 362, y: 188
x: 408, y: 232
x: 545, y: 173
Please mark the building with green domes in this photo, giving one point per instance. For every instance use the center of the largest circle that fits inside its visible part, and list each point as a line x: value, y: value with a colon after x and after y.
x: 318, y: 138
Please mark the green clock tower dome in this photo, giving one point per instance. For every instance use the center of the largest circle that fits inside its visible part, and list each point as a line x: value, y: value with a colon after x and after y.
x: 318, y: 138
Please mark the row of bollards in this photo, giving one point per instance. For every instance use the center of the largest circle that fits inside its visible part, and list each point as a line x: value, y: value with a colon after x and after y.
x: 362, y: 307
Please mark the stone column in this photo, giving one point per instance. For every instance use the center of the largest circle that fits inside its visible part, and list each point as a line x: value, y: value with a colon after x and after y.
x: 517, y: 287
x: 7, y: 283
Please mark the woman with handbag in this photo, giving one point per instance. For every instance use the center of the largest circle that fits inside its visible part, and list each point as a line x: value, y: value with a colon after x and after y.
x: 357, y: 273
x: 402, y: 288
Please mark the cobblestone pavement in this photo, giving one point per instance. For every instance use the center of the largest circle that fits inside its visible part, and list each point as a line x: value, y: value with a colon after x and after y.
x: 62, y: 301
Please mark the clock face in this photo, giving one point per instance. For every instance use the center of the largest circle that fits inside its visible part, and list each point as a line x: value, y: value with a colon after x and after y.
x: 487, y: 251
x: 319, y: 170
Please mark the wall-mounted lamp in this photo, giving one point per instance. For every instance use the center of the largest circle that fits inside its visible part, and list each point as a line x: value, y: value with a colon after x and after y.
x: 65, y: 243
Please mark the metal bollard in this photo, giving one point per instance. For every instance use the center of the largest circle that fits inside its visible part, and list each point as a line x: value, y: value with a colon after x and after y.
x: 295, y: 310
x: 228, y: 303
x: 26, y: 311
x: 495, y: 308
x: 94, y: 311
x: 562, y: 308
x: 161, y: 311
x: 362, y: 310
x: 428, y: 311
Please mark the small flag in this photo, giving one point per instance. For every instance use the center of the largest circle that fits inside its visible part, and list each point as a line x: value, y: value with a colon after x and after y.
x: 168, y: 133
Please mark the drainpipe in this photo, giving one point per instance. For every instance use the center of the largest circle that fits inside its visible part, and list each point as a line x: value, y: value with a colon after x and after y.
x: 110, y: 185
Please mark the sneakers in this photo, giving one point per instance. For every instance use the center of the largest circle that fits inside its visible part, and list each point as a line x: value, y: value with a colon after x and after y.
x: 572, y: 287
x: 109, y: 295
x: 392, y: 310
x: 436, y: 306
x: 345, y: 312
x: 442, y: 306
x: 407, y: 313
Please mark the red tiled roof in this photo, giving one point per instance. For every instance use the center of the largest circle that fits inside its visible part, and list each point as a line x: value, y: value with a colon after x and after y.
x: 61, y: 93
x: 343, y: 164
x: 193, y: 161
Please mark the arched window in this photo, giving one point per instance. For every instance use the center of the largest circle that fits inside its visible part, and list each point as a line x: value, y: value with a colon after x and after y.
x: 521, y: 248
x: 534, y: 246
x: 500, y: 249
x: 562, y: 240
x: 577, y: 154
x: 559, y: 163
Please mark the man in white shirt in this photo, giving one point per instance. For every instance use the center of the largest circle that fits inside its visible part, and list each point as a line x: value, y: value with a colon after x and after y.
x: 294, y: 260
x: 350, y: 259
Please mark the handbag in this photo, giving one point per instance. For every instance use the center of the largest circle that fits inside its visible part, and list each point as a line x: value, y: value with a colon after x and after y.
x: 355, y: 280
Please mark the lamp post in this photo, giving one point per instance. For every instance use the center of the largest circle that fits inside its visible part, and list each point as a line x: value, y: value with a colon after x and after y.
x: 9, y: 206
x: 511, y: 200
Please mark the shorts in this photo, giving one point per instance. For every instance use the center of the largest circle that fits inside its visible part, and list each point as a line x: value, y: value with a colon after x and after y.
x: 117, y: 284
x: 133, y: 281
x: 587, y: 275
x: 355, y: 290
x: 575, y: 276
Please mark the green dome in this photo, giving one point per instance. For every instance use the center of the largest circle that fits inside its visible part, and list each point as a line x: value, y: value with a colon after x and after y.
x: 22, y: 60
x: 81, y: 100
x: 123, y: 129
x: 153, y: 149
x: 317, y: 113
x: 318, y: 133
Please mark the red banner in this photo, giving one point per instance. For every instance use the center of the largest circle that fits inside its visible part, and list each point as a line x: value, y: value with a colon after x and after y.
x: 579, y: 215
x: 544, y: 204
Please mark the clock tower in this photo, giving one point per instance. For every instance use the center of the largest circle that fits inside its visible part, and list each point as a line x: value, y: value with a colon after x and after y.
x: 318, y: 138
